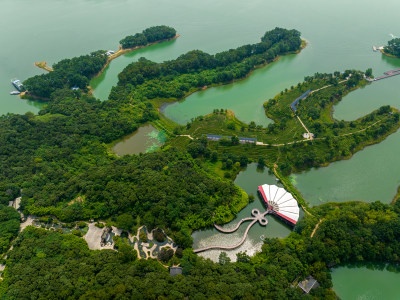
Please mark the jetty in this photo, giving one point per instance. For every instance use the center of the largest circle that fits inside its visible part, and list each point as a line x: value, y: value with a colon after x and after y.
x: 388, y: 74
x: 376, y: 49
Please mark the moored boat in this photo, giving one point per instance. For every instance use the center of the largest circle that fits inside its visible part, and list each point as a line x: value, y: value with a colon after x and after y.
x: 18, y: 84
x: 15, y: 93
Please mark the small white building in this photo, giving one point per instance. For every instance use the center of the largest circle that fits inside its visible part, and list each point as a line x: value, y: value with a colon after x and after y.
x: 308, y: 136
x: 110, y: 52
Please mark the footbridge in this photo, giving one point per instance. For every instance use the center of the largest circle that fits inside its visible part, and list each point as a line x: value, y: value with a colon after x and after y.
x: 257, y: 217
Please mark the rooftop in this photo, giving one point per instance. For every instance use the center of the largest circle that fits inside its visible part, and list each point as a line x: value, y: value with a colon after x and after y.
x: 241, y: 139
x: 173, y: 271
x: 308, y: 284
x: 293, y: 106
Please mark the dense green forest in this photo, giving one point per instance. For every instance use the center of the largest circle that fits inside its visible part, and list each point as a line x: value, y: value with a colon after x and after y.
x: 68, y: 73
x: 149, y: 35
x: 145, y: 79
x: 9, y: 226
x: 60, y: 155
x: 393, y: 47
x: 349, y: 232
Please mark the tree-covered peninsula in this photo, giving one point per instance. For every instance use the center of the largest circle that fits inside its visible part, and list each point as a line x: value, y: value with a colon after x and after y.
x: 194, y: 70
x: 282, y: 142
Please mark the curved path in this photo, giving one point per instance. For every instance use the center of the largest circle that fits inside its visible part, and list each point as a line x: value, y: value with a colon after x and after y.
x: 233, y: 229
x: 227, y: 247
x: 258, y: 217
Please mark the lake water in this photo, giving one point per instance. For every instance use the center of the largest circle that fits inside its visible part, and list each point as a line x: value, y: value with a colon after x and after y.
x: 146, y: 139
x: 366, y: 283
x: 249, y: 180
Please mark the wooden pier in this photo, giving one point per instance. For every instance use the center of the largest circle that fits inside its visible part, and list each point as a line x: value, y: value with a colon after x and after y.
x: 388, y: 74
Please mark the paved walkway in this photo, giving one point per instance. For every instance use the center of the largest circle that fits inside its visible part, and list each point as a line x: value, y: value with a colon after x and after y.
x: 93, y: 238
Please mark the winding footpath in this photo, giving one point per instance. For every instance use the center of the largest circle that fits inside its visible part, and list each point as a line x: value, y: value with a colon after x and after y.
x: 316, y: 227
x: 257, y: 217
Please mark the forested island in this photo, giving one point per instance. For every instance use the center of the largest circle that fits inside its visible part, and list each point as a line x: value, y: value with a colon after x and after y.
x: 75, y: 73
x: 59, y: 162
x: 392, y: 48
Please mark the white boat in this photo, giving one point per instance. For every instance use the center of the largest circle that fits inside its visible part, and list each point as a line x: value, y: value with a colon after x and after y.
x: 15, y: 93
x: 17, y: 84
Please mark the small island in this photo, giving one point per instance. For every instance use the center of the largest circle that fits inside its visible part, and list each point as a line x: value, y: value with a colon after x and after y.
x: 393, y: 48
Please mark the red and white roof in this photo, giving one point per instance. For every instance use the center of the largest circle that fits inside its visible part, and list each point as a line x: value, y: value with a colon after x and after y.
x: 281, y: 202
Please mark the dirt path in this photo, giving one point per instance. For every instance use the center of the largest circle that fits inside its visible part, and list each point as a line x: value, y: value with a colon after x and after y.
x: 302, y: 124
x: 316, y: 227
x: 186, y: 136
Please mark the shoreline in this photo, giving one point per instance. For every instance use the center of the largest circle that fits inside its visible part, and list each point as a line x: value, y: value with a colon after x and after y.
x: 25, y: 95
x: 388, y: 54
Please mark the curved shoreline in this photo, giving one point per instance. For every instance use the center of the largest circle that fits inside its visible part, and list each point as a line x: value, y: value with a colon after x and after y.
x: 161, y: 106
x: 388, y: 54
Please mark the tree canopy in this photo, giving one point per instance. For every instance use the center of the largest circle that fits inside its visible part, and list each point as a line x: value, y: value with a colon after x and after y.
x: 351, y: 232
x: 149, y: 35
x: 145, y: 79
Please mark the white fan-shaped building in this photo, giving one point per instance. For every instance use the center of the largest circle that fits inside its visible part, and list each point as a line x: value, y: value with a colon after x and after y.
x: 280, y: 202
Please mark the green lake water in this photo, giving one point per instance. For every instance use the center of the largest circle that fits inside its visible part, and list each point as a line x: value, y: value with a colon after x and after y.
x: 146, y: 139
x: 362, y: 283
x: 249, y: 180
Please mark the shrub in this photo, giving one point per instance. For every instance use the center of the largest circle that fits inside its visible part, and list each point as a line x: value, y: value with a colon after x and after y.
x: 143, y: 236
x: 165, y: 254
x: 159, y: 235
